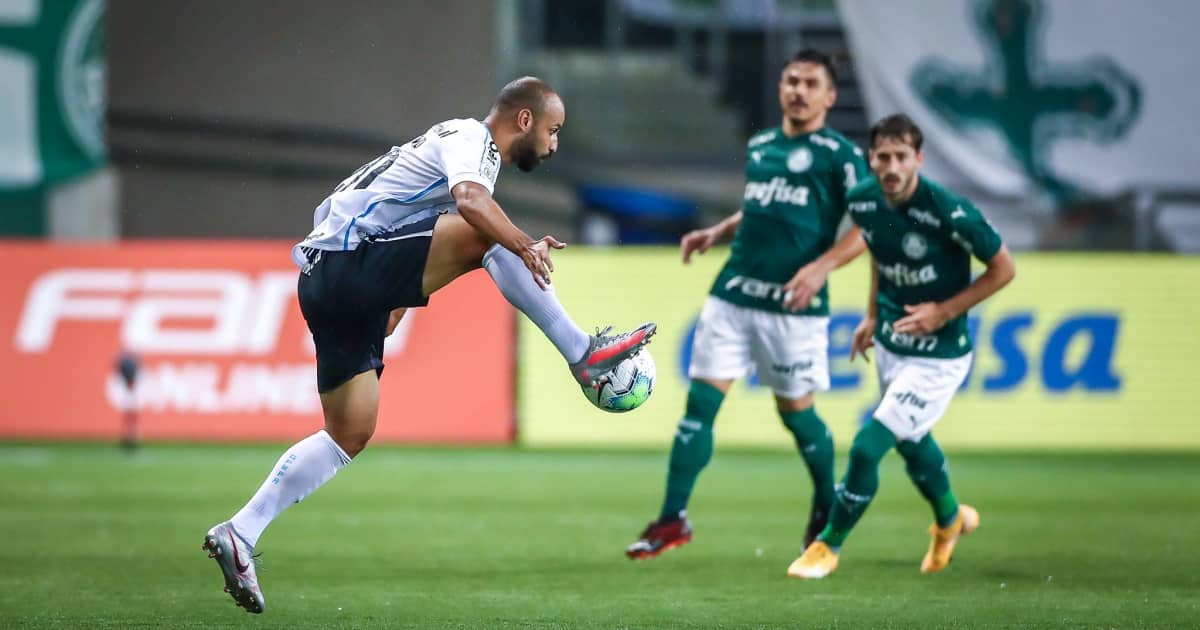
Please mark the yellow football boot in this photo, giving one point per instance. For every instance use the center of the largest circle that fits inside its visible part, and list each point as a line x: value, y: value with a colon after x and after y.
x: 945, y: 538
x: 816, y: 562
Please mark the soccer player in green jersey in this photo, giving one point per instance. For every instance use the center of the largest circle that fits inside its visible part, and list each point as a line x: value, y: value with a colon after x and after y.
x: 768, y: 307
x: 922, y: 238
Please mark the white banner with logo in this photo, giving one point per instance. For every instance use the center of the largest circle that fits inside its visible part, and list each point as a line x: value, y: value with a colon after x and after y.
x: 1024, y: 98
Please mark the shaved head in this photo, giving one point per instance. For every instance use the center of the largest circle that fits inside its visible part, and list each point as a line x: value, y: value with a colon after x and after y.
x: 525, y: 120
x: 524, y: 93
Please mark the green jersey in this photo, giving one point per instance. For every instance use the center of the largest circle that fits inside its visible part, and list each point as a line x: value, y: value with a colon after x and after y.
x: 794, y: 200
x: 922, y: 253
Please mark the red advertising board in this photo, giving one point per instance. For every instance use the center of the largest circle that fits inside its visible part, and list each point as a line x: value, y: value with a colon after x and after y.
x: 223, y: 350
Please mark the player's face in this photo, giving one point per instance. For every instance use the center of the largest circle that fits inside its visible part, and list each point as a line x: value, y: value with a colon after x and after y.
x: 540, y: 139
x: 895, y: 163
x: 805, y: 92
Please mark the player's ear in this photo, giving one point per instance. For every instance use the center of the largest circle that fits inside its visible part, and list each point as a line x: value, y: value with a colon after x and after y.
x: 524, y: 119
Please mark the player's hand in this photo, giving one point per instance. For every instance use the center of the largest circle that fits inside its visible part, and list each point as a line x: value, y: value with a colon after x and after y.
x: 864, y: 337
x: 698, y: 241
x: 799, y: 292
x: 537, y: 259
x: 923, y: 319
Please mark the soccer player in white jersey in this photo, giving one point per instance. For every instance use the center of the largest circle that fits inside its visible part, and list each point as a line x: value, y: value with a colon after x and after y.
x: 398, y: 229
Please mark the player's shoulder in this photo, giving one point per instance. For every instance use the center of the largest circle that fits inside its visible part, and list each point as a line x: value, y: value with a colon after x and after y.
x: 866, y: 188
x: 836, y: 142
x: 946, y: 202
x: 465, y: 128
x: 763, y: 137
x: 864, y: 198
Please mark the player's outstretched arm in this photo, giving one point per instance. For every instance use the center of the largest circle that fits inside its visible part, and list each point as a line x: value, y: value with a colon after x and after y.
x: 481, y: 211
x: 699, y: 241
x: 803, y: 286
x: 925, y: 318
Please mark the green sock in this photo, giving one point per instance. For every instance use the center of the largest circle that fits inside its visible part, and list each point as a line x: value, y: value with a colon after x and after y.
x: 693, y: 446
x: 926, y: 465
x: 861, y: 482
x: 816, y: 447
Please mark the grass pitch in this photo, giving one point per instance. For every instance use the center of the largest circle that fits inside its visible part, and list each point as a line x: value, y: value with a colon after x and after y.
x: 500, y: 538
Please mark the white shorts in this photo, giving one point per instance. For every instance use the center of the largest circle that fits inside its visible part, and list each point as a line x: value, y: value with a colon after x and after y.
x: 916, y: 390
x: 789, y: 351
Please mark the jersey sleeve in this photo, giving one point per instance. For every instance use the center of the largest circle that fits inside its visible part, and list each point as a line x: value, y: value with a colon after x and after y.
x: 467, y: 154
x: 851, y: 169
x: 971, y: 230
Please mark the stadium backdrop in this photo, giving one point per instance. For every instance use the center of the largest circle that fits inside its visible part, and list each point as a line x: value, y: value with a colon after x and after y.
x: 1082, y: 350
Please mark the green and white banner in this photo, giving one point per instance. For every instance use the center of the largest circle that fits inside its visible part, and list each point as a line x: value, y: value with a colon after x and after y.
x: 1032, y: 98
x: 52, y: 67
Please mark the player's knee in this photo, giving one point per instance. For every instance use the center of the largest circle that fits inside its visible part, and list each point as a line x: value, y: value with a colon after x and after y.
x: 355, y: 441
x: 864, y: 452
x: 352, y: 439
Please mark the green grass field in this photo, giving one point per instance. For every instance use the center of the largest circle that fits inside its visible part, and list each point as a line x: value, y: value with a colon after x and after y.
x: 500, y: 538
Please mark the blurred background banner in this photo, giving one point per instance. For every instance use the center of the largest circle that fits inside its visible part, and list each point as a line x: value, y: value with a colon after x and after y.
x: 222, y: 350
x: 1053, y: 106
x: 1082, y: 351
x: 53, y: 69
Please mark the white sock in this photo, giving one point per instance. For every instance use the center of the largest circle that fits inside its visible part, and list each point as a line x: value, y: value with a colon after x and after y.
x: 303, y: 468
x: 542, y: 307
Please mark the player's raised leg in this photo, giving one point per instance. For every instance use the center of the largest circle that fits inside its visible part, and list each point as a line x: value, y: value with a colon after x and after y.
x: 458, y: 247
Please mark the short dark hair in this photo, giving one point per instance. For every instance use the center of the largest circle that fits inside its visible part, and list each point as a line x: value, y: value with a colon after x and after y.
x: 812, y: 55
x: 523, y: 93
x: 898, y: 126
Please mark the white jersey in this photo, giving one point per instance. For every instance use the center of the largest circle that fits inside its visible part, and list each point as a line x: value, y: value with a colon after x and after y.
x: 404, y: 185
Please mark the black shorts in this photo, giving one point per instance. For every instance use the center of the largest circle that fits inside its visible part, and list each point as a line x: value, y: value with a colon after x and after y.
x: 346, y: 297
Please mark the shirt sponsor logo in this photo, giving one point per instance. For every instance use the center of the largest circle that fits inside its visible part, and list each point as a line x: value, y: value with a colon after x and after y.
x: 914, y: 245
x: 776, y: 190
x: 863, y: 206
x: 756, y: 288
x: 924, y: 216
x: 828, y: 143
x: 964, y: 243
x: 902, y: 275
x: 761, y: 138
x: 491, y: 162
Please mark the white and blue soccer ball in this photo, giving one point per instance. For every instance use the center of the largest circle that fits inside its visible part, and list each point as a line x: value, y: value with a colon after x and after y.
x: 629, y: 385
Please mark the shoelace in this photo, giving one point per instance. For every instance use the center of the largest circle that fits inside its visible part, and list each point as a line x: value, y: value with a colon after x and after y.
x: 603, y: 339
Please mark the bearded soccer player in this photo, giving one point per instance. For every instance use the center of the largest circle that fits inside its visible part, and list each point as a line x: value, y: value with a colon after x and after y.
x: 922, y: 238
x: 389, y: 236
x: 768, y: 307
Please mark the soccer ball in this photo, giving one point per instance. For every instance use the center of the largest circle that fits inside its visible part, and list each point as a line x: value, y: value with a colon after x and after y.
x: 629, y: 385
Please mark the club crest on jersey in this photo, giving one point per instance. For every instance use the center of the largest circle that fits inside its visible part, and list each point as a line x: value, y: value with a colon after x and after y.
x: 914, y: 245
x: 799, y: 160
